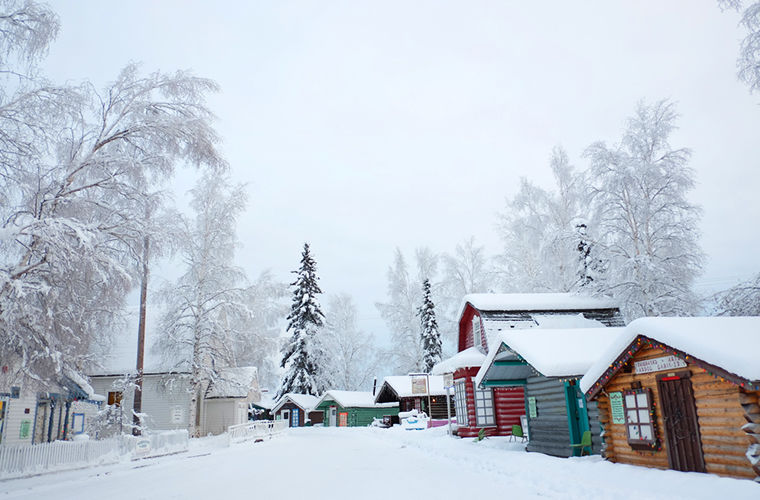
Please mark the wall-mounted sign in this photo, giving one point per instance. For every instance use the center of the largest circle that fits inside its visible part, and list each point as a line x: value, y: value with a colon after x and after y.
x: 448, y: 380
x: 658, y: 364
x: 23, y: 432
x: 532, y: 413
x: 616, y: 408
x: 419, y: 384
x: 178, y: 415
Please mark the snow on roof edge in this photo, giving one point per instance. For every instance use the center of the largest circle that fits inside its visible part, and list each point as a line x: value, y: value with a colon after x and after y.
x: 533, y: 302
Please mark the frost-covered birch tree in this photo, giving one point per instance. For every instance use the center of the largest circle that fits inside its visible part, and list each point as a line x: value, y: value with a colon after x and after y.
x: 304, y: 357
x: 647, y: 234
x: 741, y: 300
x: 540, y: 232
x: 75, y: 166
x: 400, y: 311
x: 207, y: 310
x: 430, y: 338
x: 355, y: 358
x: 748, y: 61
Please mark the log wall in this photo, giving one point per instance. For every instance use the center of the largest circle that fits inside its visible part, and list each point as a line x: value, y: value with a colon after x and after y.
x: 720, y: 416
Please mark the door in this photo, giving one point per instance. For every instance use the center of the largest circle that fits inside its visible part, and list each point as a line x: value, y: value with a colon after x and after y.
x: 286, y: 416
x: 333, y: 416
x: 679, y: 413
x: 577, y: 414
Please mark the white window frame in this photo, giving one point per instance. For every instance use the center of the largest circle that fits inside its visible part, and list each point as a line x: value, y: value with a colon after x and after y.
x: 460, y: 401
x: 485, y: 414
x: 477, y: 332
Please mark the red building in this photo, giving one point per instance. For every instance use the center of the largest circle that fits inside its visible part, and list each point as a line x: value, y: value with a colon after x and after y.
x: 498, y: 405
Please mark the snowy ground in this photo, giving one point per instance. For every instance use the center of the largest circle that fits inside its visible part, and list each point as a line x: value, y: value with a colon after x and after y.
x: 373, y: 463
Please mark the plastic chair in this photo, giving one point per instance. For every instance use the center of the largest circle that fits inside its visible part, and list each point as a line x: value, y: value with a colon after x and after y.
x: 517, y: 432
x: 585, y: 443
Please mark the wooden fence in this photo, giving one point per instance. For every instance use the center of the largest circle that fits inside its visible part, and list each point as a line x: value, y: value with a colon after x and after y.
x: 256, y: 430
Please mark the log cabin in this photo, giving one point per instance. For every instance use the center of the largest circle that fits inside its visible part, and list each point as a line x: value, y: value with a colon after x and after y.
x: 398, y: 388
x: 294, y: 408
x: 682, y: 394
x: 482, y: 316
x: 549, y: 364
x: 352, y: 409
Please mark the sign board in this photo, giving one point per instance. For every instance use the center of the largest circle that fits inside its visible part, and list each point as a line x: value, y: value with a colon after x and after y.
x: 23, y: 431
x: 178, y: 415
x: 142, y: 448
x: 532, y: 413
x: 659, y: 364
x: 419, y: 384
x: 616, y: 408
x: 448, y: 380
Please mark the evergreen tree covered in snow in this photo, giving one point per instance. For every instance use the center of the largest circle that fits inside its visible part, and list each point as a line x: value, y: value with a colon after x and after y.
x: 647, y: 232
x: 429, y: 335
x: 304, y: 357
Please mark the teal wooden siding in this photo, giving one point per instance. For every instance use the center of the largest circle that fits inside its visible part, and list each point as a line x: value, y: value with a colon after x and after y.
x: 357, y: 417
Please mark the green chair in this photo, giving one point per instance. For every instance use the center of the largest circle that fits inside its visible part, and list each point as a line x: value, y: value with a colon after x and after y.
x: 585, y: 443
x: 517, y: 433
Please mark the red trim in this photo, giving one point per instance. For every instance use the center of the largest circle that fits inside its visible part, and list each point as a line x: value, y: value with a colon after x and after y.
x: 670, y: 378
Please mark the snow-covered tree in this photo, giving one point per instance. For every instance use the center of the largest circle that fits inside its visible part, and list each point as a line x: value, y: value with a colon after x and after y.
x: 400, y: 312
x: 260, y: 343
x: 207, y: 310
x: 539, y: 229
x: 430, y: 338
x: 75, y: 167
x: 748, y: 61
x: 355, y: 357
x: 741, y: 300
x: 304, y: 357
x: 647, y: 234
x: 467, y: 270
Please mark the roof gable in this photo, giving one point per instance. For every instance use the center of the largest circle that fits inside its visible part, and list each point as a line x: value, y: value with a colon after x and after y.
x: 716, y: 344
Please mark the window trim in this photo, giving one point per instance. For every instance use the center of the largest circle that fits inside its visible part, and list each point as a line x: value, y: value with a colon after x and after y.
x: 478, y: 415
x: 460, y: 403
x: 640, y: 444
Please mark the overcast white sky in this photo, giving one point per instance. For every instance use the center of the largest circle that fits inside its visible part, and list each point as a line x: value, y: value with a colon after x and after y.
x: 364, y: 126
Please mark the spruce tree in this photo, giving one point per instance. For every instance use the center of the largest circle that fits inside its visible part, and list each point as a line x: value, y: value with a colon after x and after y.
x: 430, y: 337
x: 303, y: 355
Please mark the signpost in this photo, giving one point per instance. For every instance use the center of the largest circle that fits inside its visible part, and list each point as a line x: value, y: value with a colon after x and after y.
x: 448, y: 383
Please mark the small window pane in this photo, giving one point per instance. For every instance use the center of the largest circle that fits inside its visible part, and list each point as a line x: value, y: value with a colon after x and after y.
x: 644, y: 416
x: 632, y: 417
x: 641, y: 400
x: 646, y: 432
x: 633, y: 432
x: 630, y: 400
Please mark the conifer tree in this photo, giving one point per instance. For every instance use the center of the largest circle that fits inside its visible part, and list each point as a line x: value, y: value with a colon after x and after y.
x: 430, y: 337
x: 304, y: 357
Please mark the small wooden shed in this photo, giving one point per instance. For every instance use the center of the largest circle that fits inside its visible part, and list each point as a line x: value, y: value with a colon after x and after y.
x: 398, y: 389
x: 549, y: 363
x: 682, y: 393
x: 294, y: 408
x: 352, y: 408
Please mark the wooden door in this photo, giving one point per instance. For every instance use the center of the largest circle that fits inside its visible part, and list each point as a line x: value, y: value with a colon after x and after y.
x: 679, y: 413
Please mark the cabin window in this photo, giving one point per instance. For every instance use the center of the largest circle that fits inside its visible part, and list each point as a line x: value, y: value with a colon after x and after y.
x: 114, y: 398
x: 477, y: 332
x: 639, y: 419
x: 460, y: 401
x: 484, y: 407
x: 296, y: 417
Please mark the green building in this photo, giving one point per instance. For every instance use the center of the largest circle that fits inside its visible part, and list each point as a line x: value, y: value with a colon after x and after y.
x: 352, y: 408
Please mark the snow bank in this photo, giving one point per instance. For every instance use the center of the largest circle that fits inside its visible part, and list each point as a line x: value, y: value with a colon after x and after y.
x: 727, y: 342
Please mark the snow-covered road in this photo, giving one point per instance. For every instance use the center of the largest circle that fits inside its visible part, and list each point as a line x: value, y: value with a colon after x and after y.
x: 319, y: 463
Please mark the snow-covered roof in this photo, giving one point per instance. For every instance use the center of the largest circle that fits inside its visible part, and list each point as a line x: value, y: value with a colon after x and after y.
x: 305, y: 401
x: 353, y: 399
x: 233, y: 383
x: 84, y: 386
x: 402, y: 385
x: 532, y: 302
x: 719, y: 341
x: 468, y: 358
x: 494, y: 326
x: 266, y: 401
x: 563, y: 352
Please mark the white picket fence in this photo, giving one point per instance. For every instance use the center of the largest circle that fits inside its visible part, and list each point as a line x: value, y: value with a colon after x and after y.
x: 20, y: 460
x: 257, y: 430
